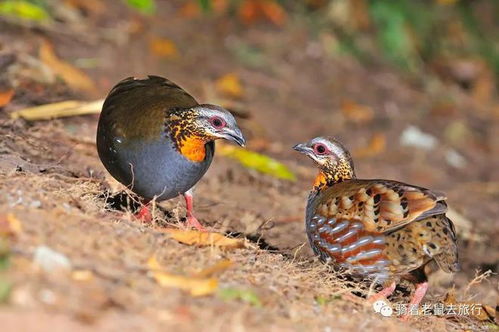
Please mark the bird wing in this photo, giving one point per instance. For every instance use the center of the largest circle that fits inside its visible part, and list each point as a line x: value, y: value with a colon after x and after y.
x: 137, y: 107
x: 152, y: 86
x: 381, y: 205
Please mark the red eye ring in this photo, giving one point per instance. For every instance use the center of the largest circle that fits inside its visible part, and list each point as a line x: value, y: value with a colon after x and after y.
x: 320, y: 148
x: 217, y: 122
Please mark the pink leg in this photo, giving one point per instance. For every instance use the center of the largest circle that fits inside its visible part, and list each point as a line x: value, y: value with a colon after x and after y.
x: 419, y: 293
x: 191, y: 220
x: 144, y: 214
x: 385, y: 292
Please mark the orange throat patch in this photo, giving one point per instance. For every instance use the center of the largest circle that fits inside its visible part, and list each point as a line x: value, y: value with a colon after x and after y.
x: 320, y: 181
x: 193, y: 148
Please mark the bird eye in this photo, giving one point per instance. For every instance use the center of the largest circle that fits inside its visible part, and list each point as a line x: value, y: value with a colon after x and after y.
x: 217, y: 122
x: 320, y: 148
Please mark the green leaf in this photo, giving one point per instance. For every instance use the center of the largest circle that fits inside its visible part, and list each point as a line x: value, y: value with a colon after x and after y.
x: 144, y: 6
x: 4, y: 254
x: 323, y: 300
x: 205, y: 5
x: 5, y: 288
x: 258, y: 162
x: 244, y: 295
x: 393, y: 33
x: 23, y: 10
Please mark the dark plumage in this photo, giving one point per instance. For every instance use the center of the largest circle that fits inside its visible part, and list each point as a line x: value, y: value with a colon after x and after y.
x: 379, y: 229
x: 154, y: 138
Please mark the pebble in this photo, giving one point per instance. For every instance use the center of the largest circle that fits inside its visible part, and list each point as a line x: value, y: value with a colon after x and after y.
x: 50, y: 260
x: 413, y: 136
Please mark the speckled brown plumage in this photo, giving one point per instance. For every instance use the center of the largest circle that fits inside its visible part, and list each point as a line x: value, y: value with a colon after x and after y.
x: 381, y: 229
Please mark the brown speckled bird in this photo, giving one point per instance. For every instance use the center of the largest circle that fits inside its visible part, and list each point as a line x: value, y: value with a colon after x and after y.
x: 380, y: 229
x: 155, y: 138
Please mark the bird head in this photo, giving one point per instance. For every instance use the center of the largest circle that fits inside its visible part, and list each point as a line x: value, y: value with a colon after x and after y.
x: 215, y: 122
x: 331, y: 157
x: 192, y: 128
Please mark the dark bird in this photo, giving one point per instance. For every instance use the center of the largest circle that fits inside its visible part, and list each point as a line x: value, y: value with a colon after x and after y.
x: 154, y: 138
x: 382, y: 230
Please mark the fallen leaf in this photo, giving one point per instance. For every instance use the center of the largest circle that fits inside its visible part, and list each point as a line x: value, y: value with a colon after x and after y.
x: 249, y: 11
x: 476, y: 310
x: 230, y: 85
x: 191, y: 237
x: 74, y: 78
x: 244, y: 295
x: 190, y: 9
x: 356, y: 113
x: 10, y: 225
x: 82, y: 275
x: 6, y: 97
x: 376, y: 145
x: 163, y: 47
x: 58, y: 110
x: 252, y: 10
x: 257, y: 161
x: 218, y: 267
x: 273, y: 12
x: 195, y: 286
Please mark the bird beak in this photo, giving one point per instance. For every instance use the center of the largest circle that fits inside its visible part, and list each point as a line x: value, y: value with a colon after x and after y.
x: 235, y: 136
x: 302, y: 148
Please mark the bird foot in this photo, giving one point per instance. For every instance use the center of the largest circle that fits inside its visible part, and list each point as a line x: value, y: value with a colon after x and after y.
x: 419, y: 293
x: 384, y: 293
x: 193, y: 222
x: 144, y: 214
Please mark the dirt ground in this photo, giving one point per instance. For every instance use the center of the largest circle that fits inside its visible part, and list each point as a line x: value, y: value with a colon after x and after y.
x: 52, y: 181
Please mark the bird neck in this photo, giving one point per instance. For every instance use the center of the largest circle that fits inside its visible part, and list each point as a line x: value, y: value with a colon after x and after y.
x: 185, y: 134
x: 193, y: 148
x: 333, y: 174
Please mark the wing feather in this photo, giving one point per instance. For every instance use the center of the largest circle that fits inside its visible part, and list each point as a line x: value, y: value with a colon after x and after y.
x: 381, y: 205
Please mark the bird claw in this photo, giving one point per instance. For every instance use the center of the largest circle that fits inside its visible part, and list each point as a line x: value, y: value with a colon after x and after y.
x: 193, y: 222
x: 384, y: 293
x: 404, y: 318
x: 144, y: 214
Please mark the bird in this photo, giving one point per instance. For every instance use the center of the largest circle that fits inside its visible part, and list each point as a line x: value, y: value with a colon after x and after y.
x: 157, y: 140
x: 380, y: 230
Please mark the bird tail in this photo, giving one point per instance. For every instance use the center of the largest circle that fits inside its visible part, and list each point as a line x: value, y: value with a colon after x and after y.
x: 447, y: 258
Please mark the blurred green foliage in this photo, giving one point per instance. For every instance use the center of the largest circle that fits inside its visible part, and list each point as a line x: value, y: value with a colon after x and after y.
x: 205, y: 5
x: 393, y: 35
x: 245, y: 295
x: 408, y: 33
x: 4, y: 254
x: 5, y: 289
x: 412, y: 33
x: 27, y: 10
x: 143, y: 6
